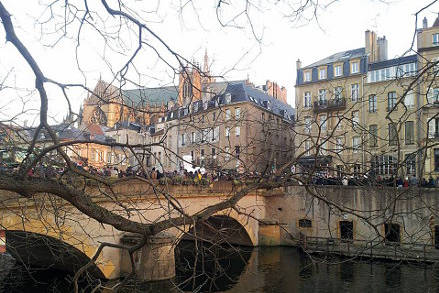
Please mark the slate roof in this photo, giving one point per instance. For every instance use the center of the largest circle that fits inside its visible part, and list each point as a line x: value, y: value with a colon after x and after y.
x: 152, y: 96
x: 339, y: 57
x: 241, y: 91
x: 393, y: 62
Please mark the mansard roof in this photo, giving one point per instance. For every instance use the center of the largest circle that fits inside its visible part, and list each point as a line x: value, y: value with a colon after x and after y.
x: 339, y: 57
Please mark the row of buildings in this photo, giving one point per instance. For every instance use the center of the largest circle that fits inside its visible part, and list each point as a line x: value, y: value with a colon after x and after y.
x: 359, y: 111
x: 201, y: 122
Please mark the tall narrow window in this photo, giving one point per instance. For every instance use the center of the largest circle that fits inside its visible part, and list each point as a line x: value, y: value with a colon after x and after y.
x: 338, y: 70
x: 354, y: 67
x: 355, y: 118
x: 307, y: 148
x: 435, y: 40
x: 307, y: 76
x: 227, y: 131
x: 354, y: 92
x: 409, y: 132
x: 391, y: 101
x: 338, y: 93
x: 322, y: 97
x: 322, y: 73
x: 393, y: 134
x: 237, y: 131
x: 409, y: 100
x: 237, y: 113
x: 356, y: 141
x: 410, y: 163
x: 338, y: 144
x: 228, y: 114
x: 436, y: 159
x: 373, y: 135
x: 323, y: 123
x: 307, y: 100
x: 372, y: 103
x: 307, y: 124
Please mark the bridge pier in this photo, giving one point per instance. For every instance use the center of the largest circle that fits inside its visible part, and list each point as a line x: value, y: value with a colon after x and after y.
x: 153, y: 262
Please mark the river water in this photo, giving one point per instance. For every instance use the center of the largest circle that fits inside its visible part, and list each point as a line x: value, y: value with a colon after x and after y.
x: 268, y: 270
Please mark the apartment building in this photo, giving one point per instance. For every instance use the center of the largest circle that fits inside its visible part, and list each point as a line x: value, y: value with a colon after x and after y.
x: 360, y: 112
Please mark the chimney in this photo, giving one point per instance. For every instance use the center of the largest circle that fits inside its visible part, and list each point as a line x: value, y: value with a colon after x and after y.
x: 425, y: 23
x: 382, y: 49
x: 298, y: 64
x: 371, y: 45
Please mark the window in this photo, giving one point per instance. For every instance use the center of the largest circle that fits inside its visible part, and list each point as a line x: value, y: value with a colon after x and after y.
x: 323, y: 147
x: 354, y: 92
x: 213, y: 116
x: 213, y: 152
x: 436, y: 159
x: 228, y: 98
x: 409, y: 100
x: 228, y: 114
x: 227, y: 131
x: 391, y: 101
x: 307, y: 76
x: 307, y: 148
x: 409, y: 132
x: 305, y: 223
x: 307, y: 124
x: 372, y: 103
x: 338, y: 144
x: 227, y: 152
x: 193, y: 137
x: 323, y: 122
x: 237, y: 113
x: 373, y: 135
x: 238, y: 131
x: 339, y: 171
x: 346, y: 230
x: 435, y: 39
x: 410, y: 163
x: 433, y: 128
x: 357, y: 170
x: 433, y: 95
x: 338, y: 93
x: 392, y: 232
x: 384, y: 165
x: 182, y: 139
x: 338, y: 122
x: 322, y: 97
x: 338, y: 70
x: 237, y: 151
x: 356, y: 144
x: 393, y: 134
x: 354, y: 67
x: 355, y: 118
x: 322, y: 73
x: 263, y: 116
x: 307, y: 100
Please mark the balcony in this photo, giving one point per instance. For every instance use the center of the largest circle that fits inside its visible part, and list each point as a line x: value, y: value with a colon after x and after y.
x: 330, y: 105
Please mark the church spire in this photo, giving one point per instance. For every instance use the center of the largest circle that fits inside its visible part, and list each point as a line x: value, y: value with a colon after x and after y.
x: 206, y: 62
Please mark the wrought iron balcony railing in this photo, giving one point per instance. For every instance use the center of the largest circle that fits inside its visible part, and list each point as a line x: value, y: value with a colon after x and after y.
x: 330, y: 105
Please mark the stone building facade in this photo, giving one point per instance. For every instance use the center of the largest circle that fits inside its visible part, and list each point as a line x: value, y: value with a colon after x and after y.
x: 360, y: 112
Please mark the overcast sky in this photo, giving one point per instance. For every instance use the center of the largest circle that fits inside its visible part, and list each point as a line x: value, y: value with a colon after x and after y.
x: 339, y: 27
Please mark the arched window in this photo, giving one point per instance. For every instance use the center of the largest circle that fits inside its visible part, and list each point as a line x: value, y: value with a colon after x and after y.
x: 187, y: 89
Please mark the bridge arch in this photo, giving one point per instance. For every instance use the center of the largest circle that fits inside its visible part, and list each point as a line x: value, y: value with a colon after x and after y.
x: 223, y: 229
x: 43, y: 251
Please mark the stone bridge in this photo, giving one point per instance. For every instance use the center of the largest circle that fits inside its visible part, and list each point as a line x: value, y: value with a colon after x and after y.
x: 45, y: 231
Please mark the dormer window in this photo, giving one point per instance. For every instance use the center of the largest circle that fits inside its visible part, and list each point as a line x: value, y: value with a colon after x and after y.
x: 322, y: 73
x: 228, y: 98
x: 354, y: 67
x: 337, y: 70
x: 307, y: 76
x: 435, y: 39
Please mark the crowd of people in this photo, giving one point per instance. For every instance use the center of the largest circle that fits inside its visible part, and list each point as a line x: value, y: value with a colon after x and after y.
x: 202, y: 175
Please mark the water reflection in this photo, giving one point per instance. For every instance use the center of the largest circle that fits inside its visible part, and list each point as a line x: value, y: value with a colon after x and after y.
x: 283, y: 269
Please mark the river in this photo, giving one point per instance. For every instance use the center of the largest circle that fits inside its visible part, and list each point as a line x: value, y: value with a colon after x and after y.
x: 270, y: 270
